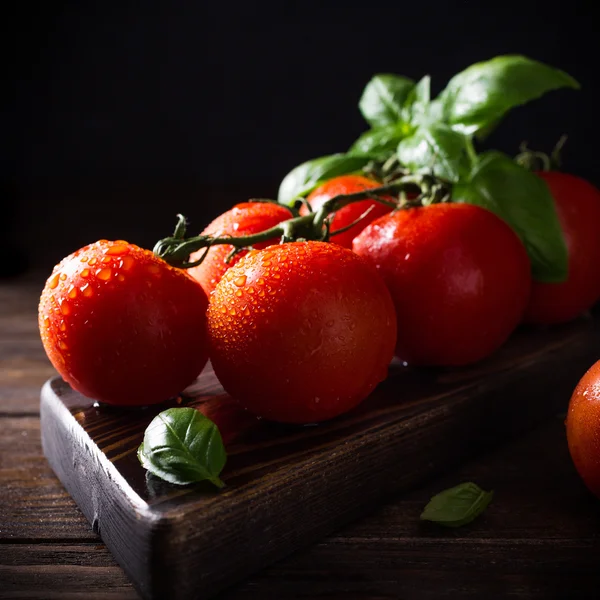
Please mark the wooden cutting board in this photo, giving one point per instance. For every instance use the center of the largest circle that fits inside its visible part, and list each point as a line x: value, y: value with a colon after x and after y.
x: 287, y: 486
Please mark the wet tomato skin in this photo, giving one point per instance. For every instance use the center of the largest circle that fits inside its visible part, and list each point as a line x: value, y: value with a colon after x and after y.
x: 459, y: 277
x: 246, y: 218
x: 583, y: 428
x: 577, y: 203
x: 348, y: 184
x: 301, y: 332
x: 121, y: 326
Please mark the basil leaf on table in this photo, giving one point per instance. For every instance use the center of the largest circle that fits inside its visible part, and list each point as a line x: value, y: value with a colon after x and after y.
x: 304, y: 178
x: 182, y: 446
x: 457, y: 506
x: 436, y: 146
x: 382, y: 101
x: 380, y: 142
x: 485, y: 91
x: 524, y: 201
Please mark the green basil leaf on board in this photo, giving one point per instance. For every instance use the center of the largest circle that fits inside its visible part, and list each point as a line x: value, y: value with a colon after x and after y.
x: 485, y: 91
x: 383, y: 99
x: 182, y: 446
x: 457, y: 506
x: 524, y: 201
x: 380, y: 142
x: 304, y: 178
x: 436, y: 147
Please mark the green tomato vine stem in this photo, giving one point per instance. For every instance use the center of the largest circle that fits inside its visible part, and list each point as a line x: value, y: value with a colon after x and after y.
x: 176, y: 249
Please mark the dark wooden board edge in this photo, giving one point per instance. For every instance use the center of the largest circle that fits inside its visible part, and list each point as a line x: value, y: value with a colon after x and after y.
x: 183, y: 555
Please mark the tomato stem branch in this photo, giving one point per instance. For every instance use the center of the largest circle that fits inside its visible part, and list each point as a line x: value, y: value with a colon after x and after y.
x: 176, y: 249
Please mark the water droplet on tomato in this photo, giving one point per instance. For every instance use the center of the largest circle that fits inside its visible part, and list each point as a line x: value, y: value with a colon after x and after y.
x: 62, y: 345
x: 92, y: 261
x: 247, y: 312
x: 47, y: 323
x: 86, y: 290
x: 261, y: 292
x: 128, y: 262
x: 53, y: 282
x: 118, y: 248
x: 239, y: 293
x: 260, y: 281
x: 232, y: 312
x: 85, y: 273
x: 240, y: 281
x: 121, y: 277
x: 63, y: 276
x: 223, y: 309
x: 104, y: 274
x: 72, y: 292
x: 84, y: 259
x: 250, y: 290
x: 62, y: 326
x: 65, y: 309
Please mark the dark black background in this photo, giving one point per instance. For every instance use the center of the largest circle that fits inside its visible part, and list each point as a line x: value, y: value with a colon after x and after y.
x: 121, y: 114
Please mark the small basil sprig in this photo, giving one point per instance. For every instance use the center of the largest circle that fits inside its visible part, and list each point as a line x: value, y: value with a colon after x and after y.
x: 304, y: 178
x: 182, y: 446
x: 523, y: 200
x: 457, y: 506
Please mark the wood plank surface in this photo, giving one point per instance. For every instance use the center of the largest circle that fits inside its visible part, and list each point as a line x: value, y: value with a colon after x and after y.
x: 540, y: 538
x: 290, y: 486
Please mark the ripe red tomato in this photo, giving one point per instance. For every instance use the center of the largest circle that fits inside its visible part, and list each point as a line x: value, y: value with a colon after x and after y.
x: 583, y: 428
x: 246, y: 218
x: 348, y: 184
x: 578, y: 206
x: 301, y: 332
x: 459, y: 278
x: 123, y: 327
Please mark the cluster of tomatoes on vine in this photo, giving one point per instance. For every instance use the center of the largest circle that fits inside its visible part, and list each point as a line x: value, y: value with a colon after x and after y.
x: 302, y: 308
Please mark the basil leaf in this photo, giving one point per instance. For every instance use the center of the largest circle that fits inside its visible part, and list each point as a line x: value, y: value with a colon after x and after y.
x: 182, y: 446
x: 416, y: 107
x: 383, y: 99
x: 381, y: 142
x: 436, y: 146
x: 485, y: 91
x: 524, y: 201
x: 458, y: 505
x: 304, y: 178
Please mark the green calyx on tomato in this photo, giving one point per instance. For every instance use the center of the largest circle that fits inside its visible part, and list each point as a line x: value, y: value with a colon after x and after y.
x: 419, y: 134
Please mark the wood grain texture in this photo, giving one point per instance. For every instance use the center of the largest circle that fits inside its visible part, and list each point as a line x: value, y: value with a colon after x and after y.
x: 24, y: 366
x: 288, y: 486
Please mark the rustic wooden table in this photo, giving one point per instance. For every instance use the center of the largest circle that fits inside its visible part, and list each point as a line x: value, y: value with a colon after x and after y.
x: 540, y: 538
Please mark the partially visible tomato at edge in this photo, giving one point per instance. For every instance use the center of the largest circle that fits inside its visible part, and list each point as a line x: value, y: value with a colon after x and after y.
x: 348, y: 184
x: 583, y: 428
x: 578, y: 206
x: 123, y: 327
x: 301, y: 332
x: 246, y: 218
x: 459, y: 276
